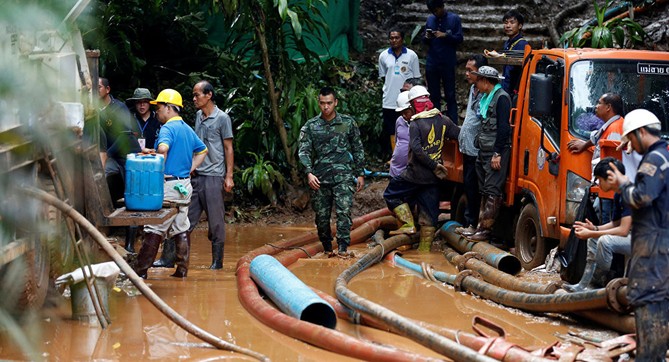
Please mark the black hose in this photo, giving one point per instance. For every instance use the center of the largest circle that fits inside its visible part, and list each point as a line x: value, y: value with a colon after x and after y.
x: 403, y: 325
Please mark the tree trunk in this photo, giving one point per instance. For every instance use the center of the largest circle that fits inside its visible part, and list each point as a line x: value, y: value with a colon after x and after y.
x: 274, y: 101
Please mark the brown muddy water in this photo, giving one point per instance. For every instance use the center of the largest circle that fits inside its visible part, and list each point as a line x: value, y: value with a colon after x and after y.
x: 209, y: 299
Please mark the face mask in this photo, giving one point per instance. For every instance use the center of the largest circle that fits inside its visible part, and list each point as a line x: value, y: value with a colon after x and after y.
x: 421, y: 104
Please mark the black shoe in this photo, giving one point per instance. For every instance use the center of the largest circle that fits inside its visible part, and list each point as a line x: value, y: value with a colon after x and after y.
x: 216, y: 256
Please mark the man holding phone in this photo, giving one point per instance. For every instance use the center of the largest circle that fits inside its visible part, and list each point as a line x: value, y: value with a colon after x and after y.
x: 443, y: 34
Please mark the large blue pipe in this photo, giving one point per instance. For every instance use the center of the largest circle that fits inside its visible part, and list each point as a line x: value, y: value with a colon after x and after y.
x: 289, y: 293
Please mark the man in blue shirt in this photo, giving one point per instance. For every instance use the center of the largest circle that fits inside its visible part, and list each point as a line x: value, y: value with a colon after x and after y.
x: 183, y: 152
x: 443, y: 34
x: 606, y: 239
x: 513, y: 24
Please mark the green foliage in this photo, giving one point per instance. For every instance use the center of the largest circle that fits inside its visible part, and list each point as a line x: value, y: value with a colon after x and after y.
x: 622, y: 33
x: 264, y: 178
x: 166, y: 43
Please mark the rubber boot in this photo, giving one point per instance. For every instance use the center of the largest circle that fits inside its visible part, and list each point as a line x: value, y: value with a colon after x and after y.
x: 216, y: 256
x: 182, y: 247
x: 426, y: 238
x: 471, y: 231
x: 586, y: 279
x: 130, y: 238
x: 167, y: 257
x: 403, y: 214
x: 490, y: 211
x: 147, y: 253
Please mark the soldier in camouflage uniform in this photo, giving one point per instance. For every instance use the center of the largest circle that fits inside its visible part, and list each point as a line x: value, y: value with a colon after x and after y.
x: 331, y: 152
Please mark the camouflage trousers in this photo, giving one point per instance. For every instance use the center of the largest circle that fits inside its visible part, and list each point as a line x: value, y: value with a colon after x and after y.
x: 339, y: 195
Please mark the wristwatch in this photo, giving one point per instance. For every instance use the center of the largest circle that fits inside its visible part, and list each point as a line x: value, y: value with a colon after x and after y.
x: 496, y: 154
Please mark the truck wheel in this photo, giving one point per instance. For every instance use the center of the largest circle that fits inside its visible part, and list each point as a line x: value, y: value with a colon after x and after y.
x: 530, y: 245
x: 458, y: 208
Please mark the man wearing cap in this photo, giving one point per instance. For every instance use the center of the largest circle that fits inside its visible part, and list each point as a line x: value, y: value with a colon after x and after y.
x: 148, y: 124
x: 648, y: 197
x: 470, y: 128
x: 146, y: 133
x: 396, y: 64
x: 401, y: 152
x: 494, y: 143
x: 183, y: 152
x: 419, y: 180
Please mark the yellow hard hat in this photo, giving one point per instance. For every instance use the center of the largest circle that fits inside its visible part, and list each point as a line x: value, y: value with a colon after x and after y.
x: 169, y: 96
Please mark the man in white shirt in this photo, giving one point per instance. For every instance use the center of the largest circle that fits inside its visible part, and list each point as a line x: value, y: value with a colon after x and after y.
x: 396, y: 64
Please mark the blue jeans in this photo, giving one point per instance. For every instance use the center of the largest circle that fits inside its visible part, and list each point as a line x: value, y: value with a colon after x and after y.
x: 601, y: 249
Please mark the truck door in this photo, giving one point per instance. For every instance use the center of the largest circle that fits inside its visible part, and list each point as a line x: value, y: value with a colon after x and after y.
x: 535, y: 161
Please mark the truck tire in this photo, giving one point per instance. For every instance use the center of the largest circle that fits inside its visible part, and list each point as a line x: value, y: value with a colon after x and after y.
x: 530, y: 245
x: 458, y: 207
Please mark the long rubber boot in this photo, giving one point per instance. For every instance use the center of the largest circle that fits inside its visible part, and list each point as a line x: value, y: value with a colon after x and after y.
x: 216, y: 256
x: 492, y: 206
x: 586, y: 279
x: 167, y: 257
x: 426, y: 238
x: 403, y: 214
x: 147, y: 253
x: 182, y: 247
x: 469, y: 231
x: 130, y: 238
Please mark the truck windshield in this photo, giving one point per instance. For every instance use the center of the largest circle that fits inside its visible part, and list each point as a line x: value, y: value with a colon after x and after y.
x: 641, y: 84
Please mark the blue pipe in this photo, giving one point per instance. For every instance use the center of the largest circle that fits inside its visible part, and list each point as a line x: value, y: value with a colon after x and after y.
x: 609, y: 13
x: 439, y: 275
x: 289, y: 293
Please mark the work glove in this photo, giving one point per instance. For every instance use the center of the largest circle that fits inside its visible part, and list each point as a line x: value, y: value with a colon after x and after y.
x: 441, y: 172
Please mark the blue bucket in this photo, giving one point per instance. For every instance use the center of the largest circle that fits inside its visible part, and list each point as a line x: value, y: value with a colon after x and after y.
x: 144, y: 179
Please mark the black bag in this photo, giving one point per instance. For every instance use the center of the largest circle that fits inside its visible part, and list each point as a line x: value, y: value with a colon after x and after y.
x: 575, y: 251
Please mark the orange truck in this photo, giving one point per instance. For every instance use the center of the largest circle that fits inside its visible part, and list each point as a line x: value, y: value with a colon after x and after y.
x: 546, y: 182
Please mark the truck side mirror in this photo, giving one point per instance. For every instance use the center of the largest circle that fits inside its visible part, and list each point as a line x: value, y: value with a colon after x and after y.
x: 541, y: 95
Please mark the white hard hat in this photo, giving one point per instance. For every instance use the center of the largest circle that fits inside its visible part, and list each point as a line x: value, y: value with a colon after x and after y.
x: 417, y: 91
x: 636, y: 119
x: 403, y: 101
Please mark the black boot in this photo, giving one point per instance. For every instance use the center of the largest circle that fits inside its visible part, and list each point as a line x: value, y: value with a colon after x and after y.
x: 586, y: 279
x: 182, y: 247
x: 147, y: 253
x: 489, y: 214
x: 167, y: 257
x: 216, y: 256
x: 130, y: 237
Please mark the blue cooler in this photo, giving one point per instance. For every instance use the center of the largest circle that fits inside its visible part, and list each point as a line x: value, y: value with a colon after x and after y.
x: 144, y: 181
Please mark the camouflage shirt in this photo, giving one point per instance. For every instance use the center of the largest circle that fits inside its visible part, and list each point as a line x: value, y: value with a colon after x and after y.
x: 332, y: 150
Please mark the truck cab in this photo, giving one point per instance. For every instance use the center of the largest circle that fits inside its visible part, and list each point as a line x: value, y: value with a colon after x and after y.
x: 558, y: 90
